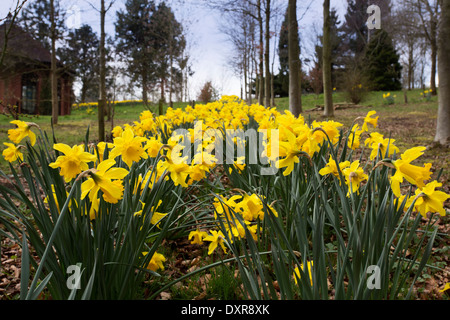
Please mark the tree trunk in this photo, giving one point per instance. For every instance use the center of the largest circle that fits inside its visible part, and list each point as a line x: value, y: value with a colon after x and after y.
x: 272, y: 88
x: 261, y: 55
x: 434, y: 54
x: 410, y: 67
x: 144, y: 86
x: 171, y: 69
x: 102, y: 93
x: 295, y: 102
x: 245, y: 64
x: 163, y: 98
x: 252, y: 68
x: 53, y: 71
x: 443, y: 119
x: 83, y: 91
x: 326, y: 60
x: 267, y: 57
x: 246, y: 94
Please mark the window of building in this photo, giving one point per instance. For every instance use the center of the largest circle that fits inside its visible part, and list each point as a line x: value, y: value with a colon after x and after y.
x: 29, y: 93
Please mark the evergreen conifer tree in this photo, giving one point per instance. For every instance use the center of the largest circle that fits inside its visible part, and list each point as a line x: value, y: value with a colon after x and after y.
x: 381, y: 62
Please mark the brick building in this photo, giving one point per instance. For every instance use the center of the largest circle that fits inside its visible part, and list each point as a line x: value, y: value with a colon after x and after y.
x: 25, y: 75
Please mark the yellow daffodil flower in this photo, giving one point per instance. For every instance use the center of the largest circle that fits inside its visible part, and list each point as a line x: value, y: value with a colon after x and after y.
x: 129, y: 146
x: 237, y: 230
x: 371, y: 120
x: 251, y: 207
x: 73, y: 162
x: 157, y: 216
x: 430, y: 200
x: 378, y: 143
x: 197, y: 236
x: 153, y: 147
x: 331, y: 167
x: 238, y: 165
x: 297, y: 274
x: 178, y: 171
x: 216, y: 238
x: 101, y: 146
x: 101, y: 179
x: 446, y: 287
x: 156, y: 262
x: 354, y: 175
x: 23, y: 130
x: 12, y: 152
x: 405, y: 170
x: 93, y: 211
x: 289, y: 151
x: 197, y: 173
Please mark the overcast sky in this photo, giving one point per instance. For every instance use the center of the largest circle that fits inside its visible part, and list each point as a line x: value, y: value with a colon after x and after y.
x: 209, y: 48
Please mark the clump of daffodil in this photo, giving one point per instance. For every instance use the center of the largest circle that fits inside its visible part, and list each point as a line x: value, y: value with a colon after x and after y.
x: 239, y: 214
x: 378, y: 143
x: 22, y: 130
x: 117, y: 131
x: 289, y: 151
x: 74, y: 161
x: 202, y: 163
x: 12, y: 152
x: 354, y: 137
x: 104, y: 178
x: 251, y: 208
x: 223, y: 205
x: 129, y: 146
x: 331, y: 128
x: 354, y: 176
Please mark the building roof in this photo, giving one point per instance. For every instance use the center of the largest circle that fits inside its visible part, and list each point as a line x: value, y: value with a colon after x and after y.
x: 22, y: 45
x: 23, y: 49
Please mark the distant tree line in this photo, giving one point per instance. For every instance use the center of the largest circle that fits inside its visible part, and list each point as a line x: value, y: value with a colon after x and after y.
x: 149, y: 48
x: 149, y: 44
